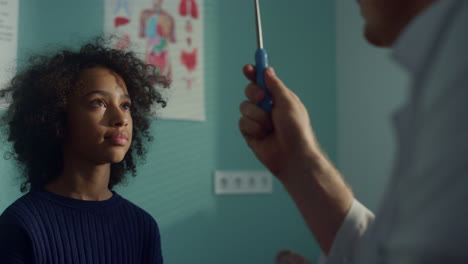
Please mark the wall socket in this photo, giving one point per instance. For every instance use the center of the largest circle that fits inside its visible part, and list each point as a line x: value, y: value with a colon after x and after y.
x: 243, y: 182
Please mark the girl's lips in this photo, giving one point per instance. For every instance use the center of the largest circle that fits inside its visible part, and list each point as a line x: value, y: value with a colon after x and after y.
x: 117, y: 138
x: 118, y: 141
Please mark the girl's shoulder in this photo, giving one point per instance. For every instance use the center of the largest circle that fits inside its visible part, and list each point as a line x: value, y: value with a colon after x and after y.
x: 15, y: 242
x: 137, y: 211
x: 19, y: 207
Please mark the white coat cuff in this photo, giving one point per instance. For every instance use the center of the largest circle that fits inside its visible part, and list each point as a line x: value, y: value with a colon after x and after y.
x: 349, y: 236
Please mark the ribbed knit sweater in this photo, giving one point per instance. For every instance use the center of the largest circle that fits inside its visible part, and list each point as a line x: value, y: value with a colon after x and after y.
x: 43, y: 227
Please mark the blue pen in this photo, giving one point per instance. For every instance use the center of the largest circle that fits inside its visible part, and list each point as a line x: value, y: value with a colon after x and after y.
x: 261, y: 63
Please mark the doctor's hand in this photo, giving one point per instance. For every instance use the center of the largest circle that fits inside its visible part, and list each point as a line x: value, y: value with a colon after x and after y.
x: 284, y: 140
x: 286, y: 256
x: 285, y: 143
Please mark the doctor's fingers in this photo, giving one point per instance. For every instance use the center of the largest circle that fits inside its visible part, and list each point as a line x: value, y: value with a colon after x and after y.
x: 254, y: 93
x: 256, y: 114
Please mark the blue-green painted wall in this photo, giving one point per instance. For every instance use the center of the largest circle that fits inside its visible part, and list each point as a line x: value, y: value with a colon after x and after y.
x: 175, y: 184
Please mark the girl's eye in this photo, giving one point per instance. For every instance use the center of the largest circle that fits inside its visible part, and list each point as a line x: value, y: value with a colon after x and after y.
x: 98, y: 103
x: 127, y: 107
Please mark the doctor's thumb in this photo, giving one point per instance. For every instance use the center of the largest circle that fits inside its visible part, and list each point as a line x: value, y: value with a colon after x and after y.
x: 275, y: 86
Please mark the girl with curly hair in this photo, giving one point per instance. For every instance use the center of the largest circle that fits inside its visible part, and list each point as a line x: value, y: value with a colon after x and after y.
x: 78, y: 122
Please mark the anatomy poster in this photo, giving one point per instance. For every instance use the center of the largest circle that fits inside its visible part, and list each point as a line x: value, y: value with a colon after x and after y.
x: 169, y: 35
x: 8, y: 42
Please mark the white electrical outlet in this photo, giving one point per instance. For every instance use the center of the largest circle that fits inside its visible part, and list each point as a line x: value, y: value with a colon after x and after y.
x: 243, y: 182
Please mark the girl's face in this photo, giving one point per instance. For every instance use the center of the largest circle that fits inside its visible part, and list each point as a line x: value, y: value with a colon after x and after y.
x: 99, y: 121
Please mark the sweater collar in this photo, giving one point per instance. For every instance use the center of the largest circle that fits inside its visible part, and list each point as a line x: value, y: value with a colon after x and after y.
x: 414, y: 45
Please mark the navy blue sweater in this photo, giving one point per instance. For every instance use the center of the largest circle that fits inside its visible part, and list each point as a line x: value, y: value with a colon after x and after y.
x: 42, y: 227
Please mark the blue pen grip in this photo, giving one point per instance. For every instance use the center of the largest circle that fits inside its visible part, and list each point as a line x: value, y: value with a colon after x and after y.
x: 261, y: 64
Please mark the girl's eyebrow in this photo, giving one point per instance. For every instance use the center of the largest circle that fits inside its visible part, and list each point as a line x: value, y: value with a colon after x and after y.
x: 105, y: 93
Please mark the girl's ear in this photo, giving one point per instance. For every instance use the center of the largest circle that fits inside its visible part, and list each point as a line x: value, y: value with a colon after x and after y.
x: 61, y: 127
x: 60, y: 135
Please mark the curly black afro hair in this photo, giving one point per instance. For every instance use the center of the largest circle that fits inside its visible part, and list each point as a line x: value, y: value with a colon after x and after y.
x: 36, y: 119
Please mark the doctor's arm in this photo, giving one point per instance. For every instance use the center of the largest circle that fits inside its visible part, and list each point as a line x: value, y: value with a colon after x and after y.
x: 285, y: 143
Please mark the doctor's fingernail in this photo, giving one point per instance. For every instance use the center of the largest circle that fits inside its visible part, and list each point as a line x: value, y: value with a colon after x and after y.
x: 270, y: 71
x: 259, y: 94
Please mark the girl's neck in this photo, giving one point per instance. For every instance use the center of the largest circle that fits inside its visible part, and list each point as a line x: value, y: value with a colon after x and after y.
x: 83, y: 182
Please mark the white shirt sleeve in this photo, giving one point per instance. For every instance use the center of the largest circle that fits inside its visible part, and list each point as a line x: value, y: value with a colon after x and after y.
x: 349, y: 236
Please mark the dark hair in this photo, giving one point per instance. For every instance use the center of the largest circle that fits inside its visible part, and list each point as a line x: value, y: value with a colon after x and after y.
x: 36, y: 117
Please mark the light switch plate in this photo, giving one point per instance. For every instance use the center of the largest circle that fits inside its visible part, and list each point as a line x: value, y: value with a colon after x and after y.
x: 243, y: 182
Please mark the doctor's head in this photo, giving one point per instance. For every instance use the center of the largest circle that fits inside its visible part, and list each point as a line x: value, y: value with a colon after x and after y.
x: 385, y: 19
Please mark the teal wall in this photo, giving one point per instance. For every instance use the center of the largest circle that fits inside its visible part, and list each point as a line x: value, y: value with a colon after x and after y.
x: 175, y: 184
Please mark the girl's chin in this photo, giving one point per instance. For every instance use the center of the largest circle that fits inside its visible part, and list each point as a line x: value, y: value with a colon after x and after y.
x: 113, y: 159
